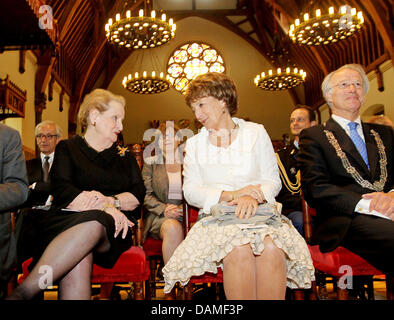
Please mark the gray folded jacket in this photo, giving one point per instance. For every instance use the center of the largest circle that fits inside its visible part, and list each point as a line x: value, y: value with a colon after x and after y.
x: 224, y: 214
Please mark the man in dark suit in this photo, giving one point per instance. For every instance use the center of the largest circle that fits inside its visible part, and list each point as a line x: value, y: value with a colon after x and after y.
x: 301, y: 117
x: 13, y: 192
x: 47, y: 134
x: 347, y: 173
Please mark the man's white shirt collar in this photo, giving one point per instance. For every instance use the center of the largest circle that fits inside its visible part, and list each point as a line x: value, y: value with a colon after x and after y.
x: 344, y: 124
x: 50, y: 160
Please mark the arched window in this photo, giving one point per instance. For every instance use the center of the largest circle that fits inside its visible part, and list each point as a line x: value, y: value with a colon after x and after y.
x: 190, y: 60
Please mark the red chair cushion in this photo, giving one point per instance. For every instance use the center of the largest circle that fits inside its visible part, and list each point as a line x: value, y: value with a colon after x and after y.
x: 152, y: 247
x: 208, y: 277
x: 193, y: 214
x: 331, y: 262
x: 130, y: 267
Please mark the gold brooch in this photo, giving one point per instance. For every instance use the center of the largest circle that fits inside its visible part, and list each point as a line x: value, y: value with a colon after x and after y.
x: 122, y: 150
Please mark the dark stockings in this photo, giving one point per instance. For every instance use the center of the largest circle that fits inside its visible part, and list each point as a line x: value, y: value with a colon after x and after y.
x: 67, y: 258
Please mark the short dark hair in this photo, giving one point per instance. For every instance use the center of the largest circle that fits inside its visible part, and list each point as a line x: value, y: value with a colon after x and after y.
x: 311, y: 112
x: 216, y: 85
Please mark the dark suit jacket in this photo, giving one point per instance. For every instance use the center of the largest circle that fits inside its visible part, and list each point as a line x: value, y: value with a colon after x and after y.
x: 13, y: 192
x: 326, y: 184
x: 41, y: 192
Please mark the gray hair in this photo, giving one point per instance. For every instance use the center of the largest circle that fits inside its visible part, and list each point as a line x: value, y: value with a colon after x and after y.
x: 325, y: 86
x: 59, y: 131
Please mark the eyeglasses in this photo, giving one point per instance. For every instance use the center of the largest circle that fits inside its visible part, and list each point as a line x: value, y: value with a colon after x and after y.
x: 46, y: 136
x: 347, y: 84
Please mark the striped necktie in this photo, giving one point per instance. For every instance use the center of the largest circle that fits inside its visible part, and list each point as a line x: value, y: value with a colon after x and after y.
x: 358, y: 141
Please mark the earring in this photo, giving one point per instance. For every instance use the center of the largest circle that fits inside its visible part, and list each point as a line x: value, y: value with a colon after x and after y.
x: 224, y: 111
x: 94, y: 124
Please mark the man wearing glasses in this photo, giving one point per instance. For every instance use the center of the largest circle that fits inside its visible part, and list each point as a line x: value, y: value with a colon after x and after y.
x: 347, y: 173
x: 47, y: 134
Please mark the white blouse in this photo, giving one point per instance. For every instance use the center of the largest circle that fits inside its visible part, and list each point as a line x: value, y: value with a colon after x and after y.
x: 174, y: 185
x: 209, y: 170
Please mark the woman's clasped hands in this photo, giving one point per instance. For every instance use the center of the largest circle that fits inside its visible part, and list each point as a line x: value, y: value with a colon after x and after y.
x: 247, y: 200
x: 173, y: 211
x: 94, y: 200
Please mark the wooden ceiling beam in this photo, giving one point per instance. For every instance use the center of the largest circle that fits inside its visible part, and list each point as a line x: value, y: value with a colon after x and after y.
x: 258, y: 24
x: 383, y: 25
x: 91, y: 60
x: 68, y: 15
x: 45, y: 61
x: 207, y: 12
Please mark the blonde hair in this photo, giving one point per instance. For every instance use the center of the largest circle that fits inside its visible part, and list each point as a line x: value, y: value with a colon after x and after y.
x: 98, y: 99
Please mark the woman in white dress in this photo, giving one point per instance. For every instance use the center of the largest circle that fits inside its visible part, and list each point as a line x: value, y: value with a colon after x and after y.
x: 232, y: 161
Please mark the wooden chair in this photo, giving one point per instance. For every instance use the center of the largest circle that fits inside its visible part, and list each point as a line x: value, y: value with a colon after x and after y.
x: 330, y: 263
x: 13, y: 280
x: 131, y: 267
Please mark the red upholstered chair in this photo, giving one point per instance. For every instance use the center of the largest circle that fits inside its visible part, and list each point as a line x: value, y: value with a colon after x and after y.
x: 331, y: 263
x: 130, y: 267
x: 190, y: 217
x: 153, y: 250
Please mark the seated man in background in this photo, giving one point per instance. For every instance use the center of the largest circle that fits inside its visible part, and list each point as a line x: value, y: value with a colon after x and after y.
x: 301, y: 117
x: 13, y: 192
x: 347, y: 174
x: 47, y: 134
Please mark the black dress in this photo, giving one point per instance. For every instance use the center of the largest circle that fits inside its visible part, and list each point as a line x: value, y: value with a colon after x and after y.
x: 76, y: 168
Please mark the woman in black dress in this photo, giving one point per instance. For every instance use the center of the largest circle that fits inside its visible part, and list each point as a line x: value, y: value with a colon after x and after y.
x: 97, y: 192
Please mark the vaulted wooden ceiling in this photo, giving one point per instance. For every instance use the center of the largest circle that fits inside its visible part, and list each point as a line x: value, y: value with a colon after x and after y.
x: 83, y: 55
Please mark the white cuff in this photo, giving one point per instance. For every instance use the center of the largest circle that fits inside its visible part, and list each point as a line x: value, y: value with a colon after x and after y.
x: 363, y: 207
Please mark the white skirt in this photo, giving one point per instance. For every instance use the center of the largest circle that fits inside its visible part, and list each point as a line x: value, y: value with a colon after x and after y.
x: 205, y: 247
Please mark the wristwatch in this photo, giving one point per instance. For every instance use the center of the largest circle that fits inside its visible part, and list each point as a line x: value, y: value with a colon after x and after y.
x: 116, y: 202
